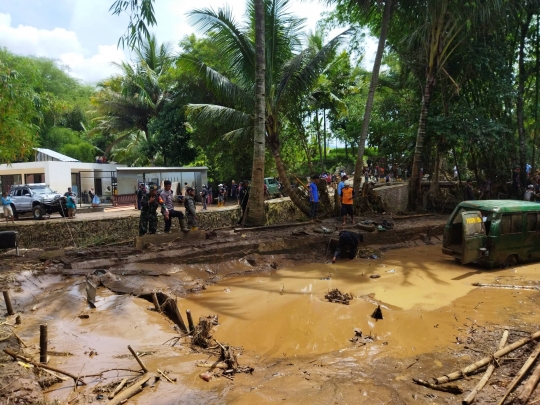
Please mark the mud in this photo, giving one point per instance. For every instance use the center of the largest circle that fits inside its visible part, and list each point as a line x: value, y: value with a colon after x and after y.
x: 268, y: 290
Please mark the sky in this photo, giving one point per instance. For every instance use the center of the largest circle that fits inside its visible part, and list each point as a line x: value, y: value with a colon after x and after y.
x: 83, y: 35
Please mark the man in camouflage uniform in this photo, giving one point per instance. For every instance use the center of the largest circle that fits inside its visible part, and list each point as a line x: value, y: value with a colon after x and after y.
x: 191, y: 213
x: 149, y: 205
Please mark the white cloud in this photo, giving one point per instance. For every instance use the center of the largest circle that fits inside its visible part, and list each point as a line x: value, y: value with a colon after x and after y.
x: 61, y: 44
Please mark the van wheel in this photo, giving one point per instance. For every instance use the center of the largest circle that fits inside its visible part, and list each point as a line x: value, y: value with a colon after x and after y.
x: 510, y: 261
x: 38, y: 212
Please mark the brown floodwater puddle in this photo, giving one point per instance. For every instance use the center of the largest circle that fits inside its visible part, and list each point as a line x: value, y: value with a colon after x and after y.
x: 281, y: 318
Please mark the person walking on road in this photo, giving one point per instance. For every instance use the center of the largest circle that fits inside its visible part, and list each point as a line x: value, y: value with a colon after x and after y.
x: 313, y: 198
x: 149, y: 205
x: 167, y: 197
x: 204, y: 197
x: 191, y: 212
x: 243, y: 198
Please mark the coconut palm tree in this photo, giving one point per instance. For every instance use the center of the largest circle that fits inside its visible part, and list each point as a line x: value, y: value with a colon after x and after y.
x: 290, y: 74
x: 127, y: 102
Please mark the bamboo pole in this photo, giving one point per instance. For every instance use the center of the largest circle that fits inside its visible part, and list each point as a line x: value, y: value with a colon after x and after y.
x: 39, y: 365
x: 43, y: 343
x: 453, y: 389
x: 156, y: 302
x: 181, y: 323
x: 9, y: 307
x: 526, y: 366
x: 508, y: 286
x: 134, y: 389
x: 118, y: 388
x: 469, y: 399
x: 456, y: 375
x: 529, y: 386
x: 138, y: 359
x: 190, y: 321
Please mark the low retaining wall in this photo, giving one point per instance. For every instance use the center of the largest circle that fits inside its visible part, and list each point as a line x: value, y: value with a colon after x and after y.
x: 42, y: 234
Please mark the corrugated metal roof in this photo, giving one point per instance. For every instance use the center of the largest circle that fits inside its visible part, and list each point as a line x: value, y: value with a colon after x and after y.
x: 149, y: 169
x: 56, y: 155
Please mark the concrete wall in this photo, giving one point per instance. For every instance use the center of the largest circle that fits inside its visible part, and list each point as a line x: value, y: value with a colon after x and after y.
x: 394, y: 197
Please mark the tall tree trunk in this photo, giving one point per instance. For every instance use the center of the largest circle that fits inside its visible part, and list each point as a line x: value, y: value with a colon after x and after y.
x: 434, y: 186
x: 294, y: 195
x: 318, y: 129
x: 537, y: 92
x: 387, y: 13
x: 255, y: 213
x: 324, y: 137
x: 520, y: 105
x: 415, y: 181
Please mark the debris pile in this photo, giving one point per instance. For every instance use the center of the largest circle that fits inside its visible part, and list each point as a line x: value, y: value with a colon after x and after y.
x: 369, y: 253
x: 337, y: 296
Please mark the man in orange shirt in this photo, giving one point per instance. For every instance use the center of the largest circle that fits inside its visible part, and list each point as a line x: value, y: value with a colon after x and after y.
x: 347, y: 202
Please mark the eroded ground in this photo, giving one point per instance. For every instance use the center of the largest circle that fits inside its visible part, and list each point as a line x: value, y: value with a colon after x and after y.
x: 434, y: 322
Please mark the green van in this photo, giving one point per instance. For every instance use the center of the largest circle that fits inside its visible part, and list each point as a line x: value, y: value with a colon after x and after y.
x: 493, y: 232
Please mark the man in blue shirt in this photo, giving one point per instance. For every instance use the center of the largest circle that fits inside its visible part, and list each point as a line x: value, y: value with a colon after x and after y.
x: 341, y: 184
x: 313, y: 198
x: 6, y: 204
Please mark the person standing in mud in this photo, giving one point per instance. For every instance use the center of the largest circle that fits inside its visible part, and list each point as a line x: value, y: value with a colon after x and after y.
x: 191, y: 212
x: 348, y: 240
x: 347, y: 202
x: 243, y: 198
x: 149, y: 205
x: 167, y: 197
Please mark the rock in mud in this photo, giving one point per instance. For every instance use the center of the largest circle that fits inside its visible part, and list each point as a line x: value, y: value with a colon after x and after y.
x: 377, y: 314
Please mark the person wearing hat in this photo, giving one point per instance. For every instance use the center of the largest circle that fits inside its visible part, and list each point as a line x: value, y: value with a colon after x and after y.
x: 149, y: 205
x: 530, y: 195
x: 468, y: 193
x: 191, y: 213
x: 221, y: 195
x: 347, y: 201
x: 348, y: 241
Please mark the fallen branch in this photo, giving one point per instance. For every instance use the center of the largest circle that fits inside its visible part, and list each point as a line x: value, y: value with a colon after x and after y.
x: 469, y: 399
x: 138, y: 359
x: 508, y: 286
x: 529, y: 386
x: 111, y: 369
x: 410, y: 216
x: 456, y: 375
x: 164, y: 375
x: 453, y: 389
x: 118, y: 388
x: 526, y: 366
x: 19, y: 339
x: 131, y: 391
x: 39, y: 365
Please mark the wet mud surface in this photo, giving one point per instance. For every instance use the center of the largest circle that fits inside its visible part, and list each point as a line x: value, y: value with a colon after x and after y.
x: 271, y: 306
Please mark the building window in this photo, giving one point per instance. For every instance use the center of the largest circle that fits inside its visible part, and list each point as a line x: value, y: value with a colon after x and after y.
x: 34, y: 178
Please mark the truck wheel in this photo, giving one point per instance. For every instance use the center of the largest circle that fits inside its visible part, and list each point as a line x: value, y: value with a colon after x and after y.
x: 38, y: 212
x: 62, y: 211
x: 510, y: 261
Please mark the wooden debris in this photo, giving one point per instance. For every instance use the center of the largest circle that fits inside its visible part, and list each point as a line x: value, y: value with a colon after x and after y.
x: 156, y: 302
x: 138, y: 359
x: 39, y: 365
x: 456, y: 375
x: 507, y: 286
x: 411, y: 216
x: 165, y: 376
x: 453, y: 389
x: 131, y: 391
x: 529, y: 386
x: 526, y: 366
x: 469, y: 399
x: 7, y: 300
x: 118, y: 388
x: 337, y: 296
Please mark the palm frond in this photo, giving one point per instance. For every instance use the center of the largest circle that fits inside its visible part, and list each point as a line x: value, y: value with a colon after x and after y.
x: 216, y: 113
x: 240, y: 133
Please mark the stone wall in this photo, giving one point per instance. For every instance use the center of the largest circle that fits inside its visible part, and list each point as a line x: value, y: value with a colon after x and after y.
x: 60, y: 233
x: 394, y: 197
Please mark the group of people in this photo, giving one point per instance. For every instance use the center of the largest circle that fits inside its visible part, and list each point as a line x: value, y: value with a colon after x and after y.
x: 149, y: 203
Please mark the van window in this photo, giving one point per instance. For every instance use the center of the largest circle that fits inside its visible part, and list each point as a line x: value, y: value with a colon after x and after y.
x: 511, y: 223
x: 532, y: 222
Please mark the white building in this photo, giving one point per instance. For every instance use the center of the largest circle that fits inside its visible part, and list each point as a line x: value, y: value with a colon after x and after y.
x: 59, y: 172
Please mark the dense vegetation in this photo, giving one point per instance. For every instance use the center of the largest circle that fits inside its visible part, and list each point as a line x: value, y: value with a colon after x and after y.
x: 458, y: 86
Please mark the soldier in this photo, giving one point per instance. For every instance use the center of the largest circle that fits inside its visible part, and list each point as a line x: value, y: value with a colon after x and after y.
x: 191, y: 213
x: 149, y: 205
